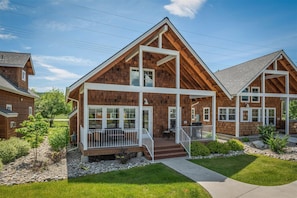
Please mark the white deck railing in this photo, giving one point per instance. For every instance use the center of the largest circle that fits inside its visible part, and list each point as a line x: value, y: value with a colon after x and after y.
x: 106, y: 138
x: 148, y: 142
x: 203, y: 132
x: 185, y: 141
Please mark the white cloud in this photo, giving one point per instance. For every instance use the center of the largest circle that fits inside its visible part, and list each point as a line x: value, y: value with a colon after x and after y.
x: 57, y: 73
x: 54, y: 25
x: 4, y: 5
x: 184, y: 8
x: 66, y: 60
x: 4, y: 36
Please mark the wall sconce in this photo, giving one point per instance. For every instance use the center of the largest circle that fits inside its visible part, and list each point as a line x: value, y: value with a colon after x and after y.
x: 247, y: 105
x: 21, y: 99
x: 145, y: 101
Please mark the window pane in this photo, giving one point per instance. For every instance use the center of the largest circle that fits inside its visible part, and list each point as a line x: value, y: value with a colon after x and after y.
x: 148, y: 78
x: 128, y: 124
x: 112, y: 123
x: 134, y: 77
x: 112, y: 113
x: 92, y: 113
x: 245, y: 115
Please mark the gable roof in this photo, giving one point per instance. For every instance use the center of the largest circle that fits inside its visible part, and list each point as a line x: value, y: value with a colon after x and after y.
x: 8, y: 86
x: 236, y: 78
x: 15, y: 59
x: 165, y: 21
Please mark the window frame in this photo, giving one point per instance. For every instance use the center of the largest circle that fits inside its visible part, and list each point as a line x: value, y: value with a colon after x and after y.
x: 30, y: 109
x: 193, y: 111
x: 227, y: 114
x: 206, y: 114
x: 8, y: 107
x: 128, y: 118
x: 134, y: 69
x: 246, y: 90
x: 24, y: 75
x: 242, y: 116
x: 95, y: 118
x: 253, y: 97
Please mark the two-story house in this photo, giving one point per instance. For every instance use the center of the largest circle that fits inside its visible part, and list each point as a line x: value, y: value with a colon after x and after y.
x: 142, y: 91
x: 16, y: 100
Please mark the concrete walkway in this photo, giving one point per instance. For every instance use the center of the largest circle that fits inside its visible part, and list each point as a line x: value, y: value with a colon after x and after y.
x: 223, y: 187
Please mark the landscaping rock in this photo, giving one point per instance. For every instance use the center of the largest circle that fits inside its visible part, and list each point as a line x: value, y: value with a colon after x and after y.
x: 259, y: 144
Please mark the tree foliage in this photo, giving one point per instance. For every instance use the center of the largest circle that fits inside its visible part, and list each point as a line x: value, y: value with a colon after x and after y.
x: 293, y: 109
x: 34, y: 129
x: 51, y: 104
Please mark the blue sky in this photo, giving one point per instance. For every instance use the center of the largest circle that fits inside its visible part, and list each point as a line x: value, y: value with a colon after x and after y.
x: 68, y: 38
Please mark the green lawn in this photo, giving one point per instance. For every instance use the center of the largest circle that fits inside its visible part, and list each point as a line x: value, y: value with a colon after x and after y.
x: 253, y: 169
x: 154, y: 180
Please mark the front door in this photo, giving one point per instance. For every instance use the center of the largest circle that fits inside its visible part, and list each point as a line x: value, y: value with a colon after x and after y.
x: 147, y: 122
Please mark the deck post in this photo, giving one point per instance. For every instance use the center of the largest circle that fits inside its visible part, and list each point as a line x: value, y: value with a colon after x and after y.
x: 287, y: 127
x: 177, y: 101
x: 140, y: 95
x: 237, y: 112
x: 214, y: 117
x: 86, y: 123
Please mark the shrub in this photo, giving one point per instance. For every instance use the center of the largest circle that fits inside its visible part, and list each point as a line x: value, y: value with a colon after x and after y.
x: 58, y: 138
x: 218, y: 147
x: 235, y: 145
x: 7, y: 152
x: 22, y: 146
x: 277, y: 144
x: 197, y: 148
x: 1, y: 165
x: 266, y: 132
x: 245, y: 139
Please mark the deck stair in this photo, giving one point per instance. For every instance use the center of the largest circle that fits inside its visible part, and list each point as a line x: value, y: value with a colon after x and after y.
x: 166, y: 148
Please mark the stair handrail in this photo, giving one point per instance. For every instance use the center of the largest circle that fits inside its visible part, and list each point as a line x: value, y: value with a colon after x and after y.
x: 185, y: 141
x: 148, y: 143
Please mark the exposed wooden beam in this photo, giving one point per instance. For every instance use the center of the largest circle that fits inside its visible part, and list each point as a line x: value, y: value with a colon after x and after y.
x: 164, y: 60
x: 198, y: 71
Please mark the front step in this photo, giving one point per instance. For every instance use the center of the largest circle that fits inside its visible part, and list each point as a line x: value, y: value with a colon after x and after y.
x: 166, y: 151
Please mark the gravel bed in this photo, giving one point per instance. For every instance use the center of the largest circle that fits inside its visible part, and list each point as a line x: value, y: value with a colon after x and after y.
x: 22, y: 170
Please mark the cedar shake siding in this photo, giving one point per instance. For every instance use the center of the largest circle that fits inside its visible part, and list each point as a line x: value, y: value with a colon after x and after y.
x: 15, y: 69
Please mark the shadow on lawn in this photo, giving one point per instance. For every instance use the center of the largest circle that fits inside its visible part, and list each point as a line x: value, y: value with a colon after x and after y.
x: 227, y: 166
x: 150, y: 174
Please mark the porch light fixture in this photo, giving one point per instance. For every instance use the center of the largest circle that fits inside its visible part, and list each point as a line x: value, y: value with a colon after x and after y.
x: 145, y: 101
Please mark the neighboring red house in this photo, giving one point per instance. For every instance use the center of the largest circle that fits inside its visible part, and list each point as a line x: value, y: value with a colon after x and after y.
x: 141, y: 92
x: 260, y: 89
x: 16, y: 100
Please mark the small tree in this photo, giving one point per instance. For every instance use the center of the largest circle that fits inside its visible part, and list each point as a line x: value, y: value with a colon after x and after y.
x: 51, y: 104
x: 33, y: 129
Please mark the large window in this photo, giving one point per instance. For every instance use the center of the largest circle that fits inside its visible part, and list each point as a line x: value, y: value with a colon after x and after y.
x: 206, y: 112
x: 95, y: 118
x: 148, y: 77
x: 226, y: 114
x: 129, y: 118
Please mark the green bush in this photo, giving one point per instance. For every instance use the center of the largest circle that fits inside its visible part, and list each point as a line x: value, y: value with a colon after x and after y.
x: 58, y: 138
x: 266, y: 132
x: 1, y: 165
x: 199, y: 149
x: 235, y: 145
x: 218, y: 147
x: 277, y: 144
x: 22, y: 146
x: 7, y: 152
x: 245, y: 139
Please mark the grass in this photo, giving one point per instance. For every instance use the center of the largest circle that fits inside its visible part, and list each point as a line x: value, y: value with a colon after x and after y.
x: 154, y: 180
x: 253, y: 169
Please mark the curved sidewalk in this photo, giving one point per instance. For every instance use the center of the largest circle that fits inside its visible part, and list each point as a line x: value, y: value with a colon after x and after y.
x: 223, y: 187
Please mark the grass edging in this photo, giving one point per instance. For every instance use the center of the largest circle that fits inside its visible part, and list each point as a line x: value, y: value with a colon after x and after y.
x: 253, y: 169
x: 155, y: 180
